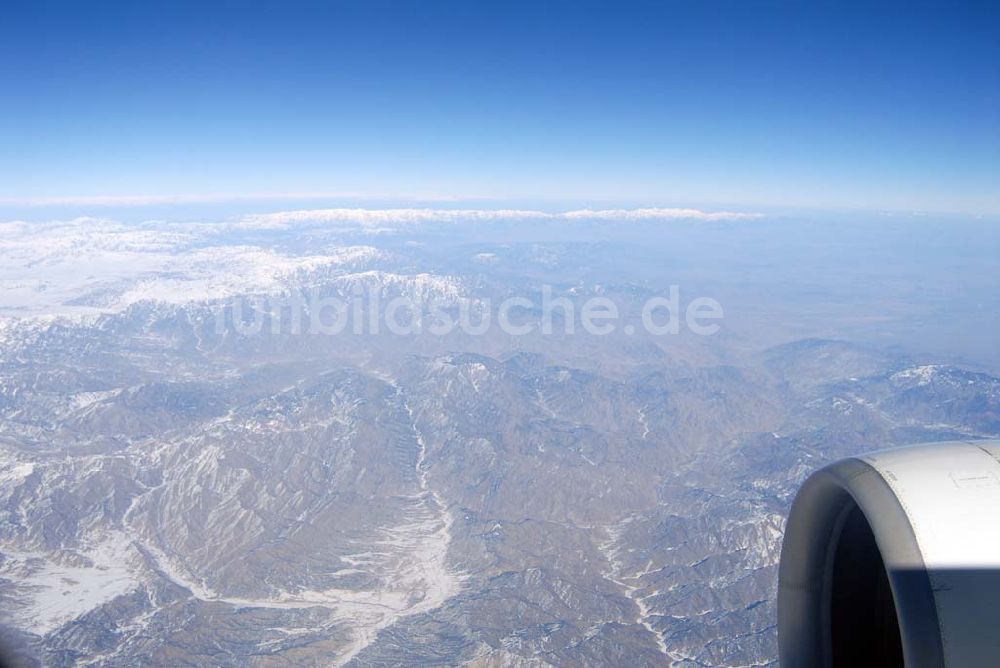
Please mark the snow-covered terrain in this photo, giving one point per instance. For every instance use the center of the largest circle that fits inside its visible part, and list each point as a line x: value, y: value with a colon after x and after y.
x: 176, y: 492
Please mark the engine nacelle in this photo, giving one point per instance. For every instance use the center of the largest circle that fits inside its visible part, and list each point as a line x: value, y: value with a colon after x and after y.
x: 893, y: 559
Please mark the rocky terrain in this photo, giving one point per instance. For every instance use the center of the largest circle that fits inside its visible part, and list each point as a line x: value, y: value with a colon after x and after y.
x: 179, y: 489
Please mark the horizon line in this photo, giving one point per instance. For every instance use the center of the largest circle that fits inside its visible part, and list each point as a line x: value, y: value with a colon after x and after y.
x: 140, y: 201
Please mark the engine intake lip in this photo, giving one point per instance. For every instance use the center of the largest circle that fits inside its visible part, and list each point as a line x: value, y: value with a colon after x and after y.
x: 806, y: 572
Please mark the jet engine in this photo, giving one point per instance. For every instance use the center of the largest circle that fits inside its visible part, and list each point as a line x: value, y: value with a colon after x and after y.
x: 893, y: 559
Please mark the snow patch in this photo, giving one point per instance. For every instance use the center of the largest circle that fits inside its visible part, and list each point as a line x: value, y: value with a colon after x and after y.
x: 923, y: 374
x: 51, y: 589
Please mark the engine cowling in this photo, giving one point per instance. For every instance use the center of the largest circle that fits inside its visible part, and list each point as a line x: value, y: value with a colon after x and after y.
x: 893, y: 559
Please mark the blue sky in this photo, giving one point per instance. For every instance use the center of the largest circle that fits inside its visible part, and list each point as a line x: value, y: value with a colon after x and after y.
x: 836, y: 105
